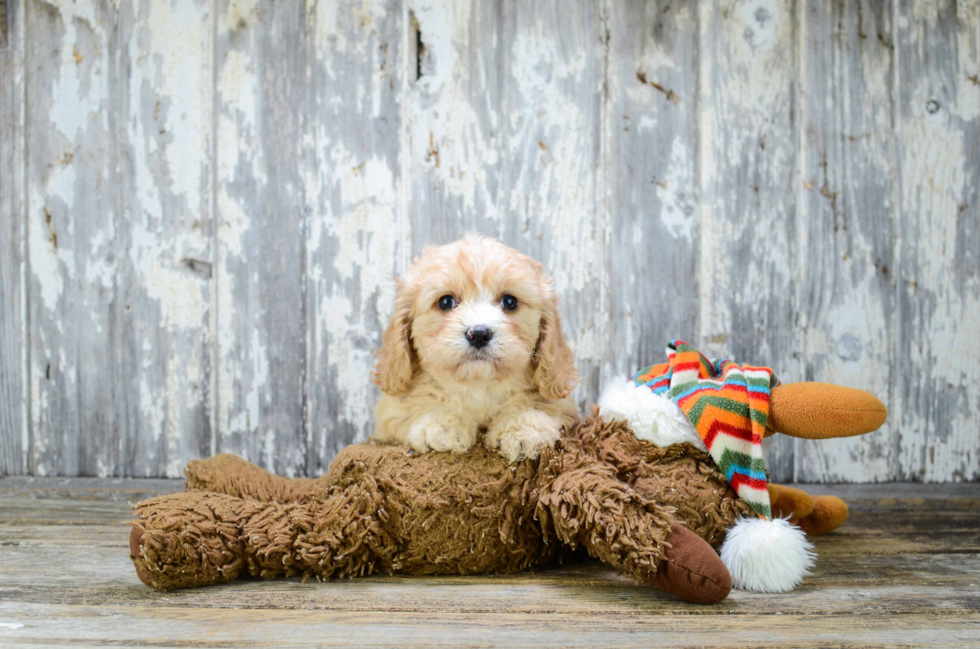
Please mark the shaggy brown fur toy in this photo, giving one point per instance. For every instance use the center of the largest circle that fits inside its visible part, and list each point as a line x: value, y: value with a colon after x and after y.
x: 656, y: 514
x: 386, y: 509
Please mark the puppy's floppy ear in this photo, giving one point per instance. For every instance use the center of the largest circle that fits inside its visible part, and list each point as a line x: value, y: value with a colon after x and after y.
x: 393, y: 373
x: 555, y: 375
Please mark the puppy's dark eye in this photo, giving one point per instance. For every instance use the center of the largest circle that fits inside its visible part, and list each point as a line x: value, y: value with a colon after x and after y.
x: 447, y: 303
x: 509, y: 302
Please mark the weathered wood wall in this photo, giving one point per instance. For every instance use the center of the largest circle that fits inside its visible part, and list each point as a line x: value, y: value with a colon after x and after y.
x: 205, y: 202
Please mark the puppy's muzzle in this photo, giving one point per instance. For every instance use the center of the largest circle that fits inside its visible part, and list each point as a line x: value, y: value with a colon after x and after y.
x: 479, y: 336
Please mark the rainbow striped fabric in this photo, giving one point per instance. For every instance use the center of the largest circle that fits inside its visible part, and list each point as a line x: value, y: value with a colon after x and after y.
x: 728, y: 405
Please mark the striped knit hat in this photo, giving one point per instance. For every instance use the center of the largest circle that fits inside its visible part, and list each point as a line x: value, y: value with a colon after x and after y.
x: 728, y: 405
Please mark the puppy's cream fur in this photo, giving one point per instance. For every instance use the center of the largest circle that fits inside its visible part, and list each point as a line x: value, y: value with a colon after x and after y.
x: 439, y: 392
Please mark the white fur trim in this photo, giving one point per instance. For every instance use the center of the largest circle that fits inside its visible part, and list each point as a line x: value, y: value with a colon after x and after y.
x: 767, y: 556
x: 650, y: 416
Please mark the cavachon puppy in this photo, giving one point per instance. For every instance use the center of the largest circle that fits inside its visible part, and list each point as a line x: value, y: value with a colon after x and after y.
x: 475, y: 347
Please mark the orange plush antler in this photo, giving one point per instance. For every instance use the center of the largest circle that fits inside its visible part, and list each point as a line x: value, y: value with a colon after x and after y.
x: 823, y: 411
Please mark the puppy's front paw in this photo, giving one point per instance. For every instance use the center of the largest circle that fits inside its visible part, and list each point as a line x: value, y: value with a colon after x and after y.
x: 522, y: 434
x: 441, y: 432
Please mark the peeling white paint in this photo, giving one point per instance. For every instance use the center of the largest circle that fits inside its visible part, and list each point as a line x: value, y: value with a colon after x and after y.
x: 679, y: 207
x: 45, y: 258
x: 177, y: 44
x: 941, y: 304
x: 182, y: 304
x: 78, y: 93
x: 844, y: 226
x: 443, y: 24
x: 740, y: 106
x: 365, y: 261
x: 517, y: 156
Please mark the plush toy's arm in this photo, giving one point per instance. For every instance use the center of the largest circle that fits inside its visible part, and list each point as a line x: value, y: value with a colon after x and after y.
x: 823, y: 411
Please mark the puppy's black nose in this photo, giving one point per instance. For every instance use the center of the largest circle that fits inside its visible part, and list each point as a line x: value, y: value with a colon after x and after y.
x: 479, y: 336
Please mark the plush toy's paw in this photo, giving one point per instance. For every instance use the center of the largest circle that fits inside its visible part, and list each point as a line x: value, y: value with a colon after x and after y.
x: 522, y: 434
x: 691, y: 569
x: 767, y: 556
x: 189, y: 539
x: 136, y: 554
x: 440, y: 431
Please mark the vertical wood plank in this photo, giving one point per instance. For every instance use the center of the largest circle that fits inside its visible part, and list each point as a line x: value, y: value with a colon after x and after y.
x: 505, y: 140
x: 163, y: 112
x: 359, y: 238
x: 3, y: 24
x: 938, y: 293
x: 652, y: 180
x: 748, y: 180
x: 119, y: 199
x: 14, y: 441
x: 848, y: 199
x: 72, y: 211
x: 263, y: 100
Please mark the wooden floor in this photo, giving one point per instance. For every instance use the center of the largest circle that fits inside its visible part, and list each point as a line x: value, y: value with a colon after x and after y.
x: 903, y: 571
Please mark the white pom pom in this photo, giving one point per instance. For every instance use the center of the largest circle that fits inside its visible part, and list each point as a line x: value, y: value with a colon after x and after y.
x: 767, y: 556
x: 650, y: 416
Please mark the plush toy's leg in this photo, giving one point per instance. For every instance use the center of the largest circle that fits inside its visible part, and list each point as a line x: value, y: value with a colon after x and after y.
x: 789, y: 502
x: 589, y: 506
x: 815, y: 516
x: 190, y: 539
x: 829, y: 513
x: 199, y: 538
x: 231, y: 475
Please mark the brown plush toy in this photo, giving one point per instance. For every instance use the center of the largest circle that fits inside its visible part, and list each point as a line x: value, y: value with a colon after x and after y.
x: 655, y: 513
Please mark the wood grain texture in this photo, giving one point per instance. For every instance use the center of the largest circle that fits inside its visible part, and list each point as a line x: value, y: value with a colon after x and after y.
x: 119, y: 198
x: 204, y: 205
x: 4, y: 39
x: 505, y: 140
x: 14, y: 432
x: 937, y: 397
x: 72, y: 211
x: 163, y: 236
x: 848, y: 197
x: 902, y: 571
x: 652, y: 180
x: 263, y: 95
x: 359, y: 236
x: 177, y: 627
x: 748, y: 179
